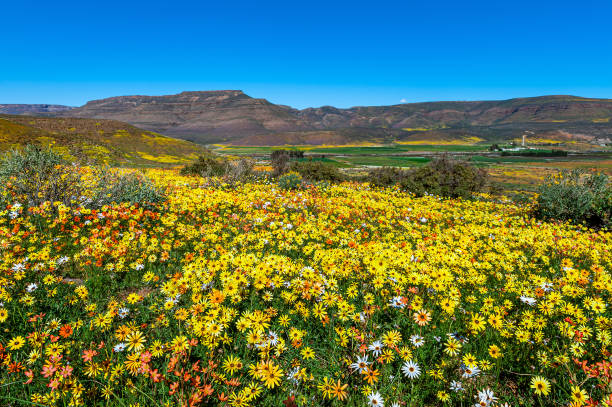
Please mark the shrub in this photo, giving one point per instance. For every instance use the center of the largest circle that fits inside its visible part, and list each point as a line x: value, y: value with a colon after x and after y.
x: 446, y: 177
x: 442, y: 176
x: 386, y: 176
x: 280, y: 160
x: 240, y: 171
x: 37, y: 175
x: 317, y: 171
x: 207, y: 166
x: 290, y: 180
x: 577, y: 197
x: 130, y: 187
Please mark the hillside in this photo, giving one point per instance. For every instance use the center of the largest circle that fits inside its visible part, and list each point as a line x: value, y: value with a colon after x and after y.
x: 100, y: 141
x: 232, y: 117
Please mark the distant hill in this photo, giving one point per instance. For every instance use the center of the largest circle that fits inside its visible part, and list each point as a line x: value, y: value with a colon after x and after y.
x: 232, y: 117
x: 32, y: 109
x: 95, y: 140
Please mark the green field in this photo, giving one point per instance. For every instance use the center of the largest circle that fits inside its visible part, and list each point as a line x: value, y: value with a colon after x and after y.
x: 358, y: 150
x: 386, y: 161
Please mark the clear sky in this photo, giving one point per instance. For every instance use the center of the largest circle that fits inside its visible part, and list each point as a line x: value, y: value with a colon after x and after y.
x: 305, y: 53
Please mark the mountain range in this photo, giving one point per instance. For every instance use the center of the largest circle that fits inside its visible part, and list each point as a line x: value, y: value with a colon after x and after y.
x: 232, y: 117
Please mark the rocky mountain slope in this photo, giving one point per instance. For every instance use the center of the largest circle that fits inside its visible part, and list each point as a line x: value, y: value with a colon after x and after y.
x: 232, y: 117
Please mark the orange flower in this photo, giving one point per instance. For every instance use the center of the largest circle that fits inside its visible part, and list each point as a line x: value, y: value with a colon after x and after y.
x: 65, y: 331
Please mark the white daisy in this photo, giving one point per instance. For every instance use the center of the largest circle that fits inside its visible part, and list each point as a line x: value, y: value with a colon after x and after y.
x: 375, y: 400
x: 361, y: 365
x: 417, y: 340
x: 376, y: 348
x: 411, y: 369
x: 120, y: 347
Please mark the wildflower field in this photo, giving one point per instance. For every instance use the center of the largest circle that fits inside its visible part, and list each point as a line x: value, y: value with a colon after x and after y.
x: 252, y: 295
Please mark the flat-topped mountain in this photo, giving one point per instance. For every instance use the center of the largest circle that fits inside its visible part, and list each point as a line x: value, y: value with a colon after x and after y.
x: 32, y: 109
x: 231, y: 116
x: 198, y: 116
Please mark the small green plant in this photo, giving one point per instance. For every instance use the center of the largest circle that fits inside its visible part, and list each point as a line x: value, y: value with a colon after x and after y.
x: 290, y: 180
x: 576, y: 196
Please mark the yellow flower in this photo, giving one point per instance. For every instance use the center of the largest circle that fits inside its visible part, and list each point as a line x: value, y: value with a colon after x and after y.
x: 178, y: 344
x: 3, y: 314
x: 495, y: 352
x: 135, y: 341
x: 307, y: 353
x: 453, y: 347
x: 16, y: 343
x: 540, y: 385
x: 579, y: 396
x: 270, y: 374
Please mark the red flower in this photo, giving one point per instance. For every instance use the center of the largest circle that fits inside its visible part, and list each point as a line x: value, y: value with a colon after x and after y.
x: 173, y: 388
x: 155, y: 376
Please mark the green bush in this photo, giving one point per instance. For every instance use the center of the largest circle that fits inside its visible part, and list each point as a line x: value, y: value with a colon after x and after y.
x: 207, y: 166
x: 442, y: 176
x: 576, y: 196
x: 231, y: 171
x: 290, y: 180
x: 386, y: 176
x: 446, y: 177
x: 317, y: 171
x: 130, y: 187
x: 280, y: 160
x: 35, y: 175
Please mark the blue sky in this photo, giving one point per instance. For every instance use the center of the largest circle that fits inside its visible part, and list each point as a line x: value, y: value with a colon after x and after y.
x: 305, y: 53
